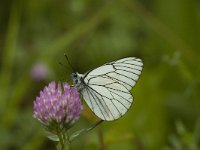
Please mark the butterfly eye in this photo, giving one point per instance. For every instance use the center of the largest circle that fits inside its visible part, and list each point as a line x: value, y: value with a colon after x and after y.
x: 74, y: 75
x: 76, y: 80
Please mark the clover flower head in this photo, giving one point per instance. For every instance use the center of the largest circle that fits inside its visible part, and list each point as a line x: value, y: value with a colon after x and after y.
x: 57, y: 104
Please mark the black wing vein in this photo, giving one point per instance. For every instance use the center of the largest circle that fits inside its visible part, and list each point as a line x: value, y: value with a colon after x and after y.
x: 100, y: 101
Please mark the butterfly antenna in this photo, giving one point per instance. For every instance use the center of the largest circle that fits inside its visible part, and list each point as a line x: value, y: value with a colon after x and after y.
x: 61, y: 64
x: 69, y: 62
x: 64, y: 66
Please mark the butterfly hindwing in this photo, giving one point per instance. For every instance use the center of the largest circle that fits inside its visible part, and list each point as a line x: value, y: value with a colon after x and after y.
x: 107, y: 88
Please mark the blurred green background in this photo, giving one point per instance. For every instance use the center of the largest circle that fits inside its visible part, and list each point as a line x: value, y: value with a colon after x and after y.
x: 35, y: 34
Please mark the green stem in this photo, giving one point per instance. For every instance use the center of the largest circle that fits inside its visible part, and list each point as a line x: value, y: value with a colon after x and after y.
x: 83, y: 131
x: 67, y: 142
x: 64, y: 143
x: 61, y: 145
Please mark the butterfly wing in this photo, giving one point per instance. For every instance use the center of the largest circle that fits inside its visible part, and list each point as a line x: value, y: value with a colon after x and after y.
x: 107, y: 88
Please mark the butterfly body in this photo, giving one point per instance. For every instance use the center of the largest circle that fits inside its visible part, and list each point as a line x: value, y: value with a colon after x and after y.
x: 78, y: 81
x: 106, y: 89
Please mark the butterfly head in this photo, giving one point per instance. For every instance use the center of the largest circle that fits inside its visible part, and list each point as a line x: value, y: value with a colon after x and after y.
x: 77, y: 80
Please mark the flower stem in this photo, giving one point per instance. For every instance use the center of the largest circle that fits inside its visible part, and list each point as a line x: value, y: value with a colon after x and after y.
x: 64, y: 143
x: 61, y: 144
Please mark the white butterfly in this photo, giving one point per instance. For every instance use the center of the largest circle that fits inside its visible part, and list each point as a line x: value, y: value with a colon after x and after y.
x: 106, y: 89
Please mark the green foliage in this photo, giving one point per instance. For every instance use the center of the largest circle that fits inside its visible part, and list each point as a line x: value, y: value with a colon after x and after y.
x: 165, y: 34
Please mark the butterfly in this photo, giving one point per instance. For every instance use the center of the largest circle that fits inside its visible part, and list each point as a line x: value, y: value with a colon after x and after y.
x: 106, y: 89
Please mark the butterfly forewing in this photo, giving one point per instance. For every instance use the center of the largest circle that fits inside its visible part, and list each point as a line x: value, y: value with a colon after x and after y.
x: 107, y: 88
